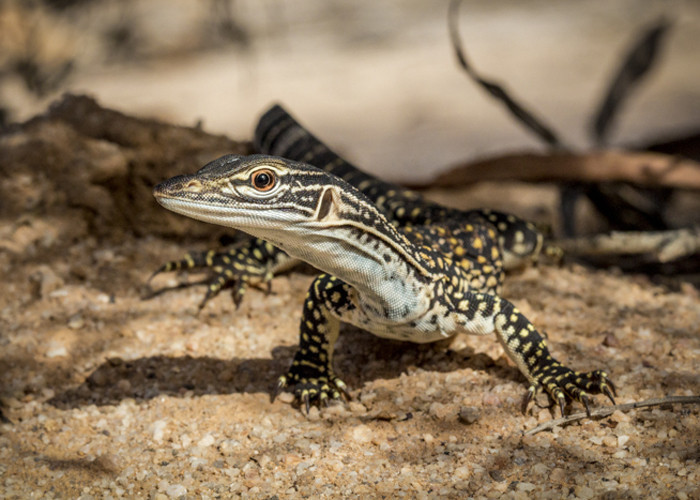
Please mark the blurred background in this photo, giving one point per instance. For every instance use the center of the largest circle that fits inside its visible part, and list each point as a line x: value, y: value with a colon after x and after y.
x: 376, y: 79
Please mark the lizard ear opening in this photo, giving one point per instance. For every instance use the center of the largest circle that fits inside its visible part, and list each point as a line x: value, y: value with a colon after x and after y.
x: 325, y: 205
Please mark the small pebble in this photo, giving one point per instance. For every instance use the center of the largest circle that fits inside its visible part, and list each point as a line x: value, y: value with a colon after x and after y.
x: 124, y: 385
x: 441, y: 411
x: 45, y: 281
x: 314, y: 414
x: 557, y: 475
x: 611, y: 340
x: 610, y: 441
x: 284, y: 397
x: 544, y: 415
x: 76, y: 322
x: 57, y: 351
x: 597, y: 440
x: 107, y: 462
x: 356, y: 407
x: 497, y: 475
x: 229, y: 446
x: 540, y: 469
x: 206, y: 441
x: 176, y: 490
x: 618, y: 416
x: 526, y: 487
x: 491, y: 399
x: 462, y: 472
x: 361, y: 434
x: 584, y: 492
x: 158, y: 430
x: 469, y: 415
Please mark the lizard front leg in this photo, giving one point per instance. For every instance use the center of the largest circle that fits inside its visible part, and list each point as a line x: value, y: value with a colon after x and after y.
x: 482, y: 313
x: 251, y: 261
x: 311, y: 376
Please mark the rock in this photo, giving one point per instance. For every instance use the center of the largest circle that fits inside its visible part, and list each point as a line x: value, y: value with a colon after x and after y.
x: 469, y: 415
x: 442, y: 411
x: 611, y: 340
x: 618, y: 416
x: 44, y: 281
x: 176, y: 491
x: 361, y: 434
x: 56, y: 351
x: 76, y: 322
x: 207, y: 440
x: 158, y: 430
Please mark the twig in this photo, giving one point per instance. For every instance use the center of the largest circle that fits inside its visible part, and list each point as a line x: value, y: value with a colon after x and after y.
x: 664, y: 246
x: 640, y: 168
x: 636, y: 65
x: 609, y: 410
x: 524, y: 116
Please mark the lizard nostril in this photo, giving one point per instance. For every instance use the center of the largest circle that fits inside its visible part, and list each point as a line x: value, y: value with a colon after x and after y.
x: 193, y: 185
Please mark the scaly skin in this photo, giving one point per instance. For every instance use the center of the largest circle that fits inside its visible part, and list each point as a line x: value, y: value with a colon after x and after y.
x: 280, y: 134
x: 395, y: 265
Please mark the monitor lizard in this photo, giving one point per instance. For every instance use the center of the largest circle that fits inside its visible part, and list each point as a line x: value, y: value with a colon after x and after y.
x: 392, y: 263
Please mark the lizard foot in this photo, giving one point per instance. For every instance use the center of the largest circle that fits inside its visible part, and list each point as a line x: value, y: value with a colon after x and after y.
x: 234, y: 268
x: 562, y: 383
x: 319, y: 390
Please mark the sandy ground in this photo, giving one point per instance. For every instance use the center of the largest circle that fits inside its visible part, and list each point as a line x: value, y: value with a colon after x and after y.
x: 113, y: 396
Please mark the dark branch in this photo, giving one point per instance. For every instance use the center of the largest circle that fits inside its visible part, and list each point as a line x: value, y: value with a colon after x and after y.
x: 636, y: 65
x: 524, y: 116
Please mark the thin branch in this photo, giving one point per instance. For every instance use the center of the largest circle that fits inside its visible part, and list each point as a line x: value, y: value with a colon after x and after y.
x: 609, y: 410
x: 636, y: 65
x: 524, y: 116
x: 664, y: 246
x: 640, y: 168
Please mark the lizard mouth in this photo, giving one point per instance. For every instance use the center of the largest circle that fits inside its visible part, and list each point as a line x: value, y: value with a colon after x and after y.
x: 191, y: 208
x: 177, y: 186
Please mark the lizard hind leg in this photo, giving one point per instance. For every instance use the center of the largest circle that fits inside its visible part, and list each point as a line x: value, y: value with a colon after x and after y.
x: 521, y: 242
x: 483, y: 313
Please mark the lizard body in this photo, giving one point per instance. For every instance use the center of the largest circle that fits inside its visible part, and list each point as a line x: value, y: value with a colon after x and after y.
x: 393, y: 263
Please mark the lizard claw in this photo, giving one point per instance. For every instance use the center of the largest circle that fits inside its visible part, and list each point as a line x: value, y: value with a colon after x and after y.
x: 343, y: 389
x: 307, y: 402
x: 279, y: 387
x: 529, y: 396
x: 606, y: 390
x: 561, y: 399
x: 584, y: 399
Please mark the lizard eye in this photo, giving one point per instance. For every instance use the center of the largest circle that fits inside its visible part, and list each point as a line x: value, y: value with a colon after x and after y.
x: 263, y: 180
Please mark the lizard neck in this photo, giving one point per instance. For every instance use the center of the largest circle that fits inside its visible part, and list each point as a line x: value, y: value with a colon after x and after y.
x: 350, y: 239
x: 387, y: 285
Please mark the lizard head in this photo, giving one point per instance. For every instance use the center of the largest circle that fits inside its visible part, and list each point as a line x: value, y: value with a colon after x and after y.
x: 269, y: 197
x: 307, y: 212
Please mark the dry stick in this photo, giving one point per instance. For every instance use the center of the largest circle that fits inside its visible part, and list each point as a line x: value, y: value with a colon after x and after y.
x: 664, y: 246
x: 609, y: 410
x: 639, y: 168
x: 525, y: 117
x: 637, y: 64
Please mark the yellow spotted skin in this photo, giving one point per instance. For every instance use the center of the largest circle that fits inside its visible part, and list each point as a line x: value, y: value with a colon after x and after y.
x: 249, y: 261
x: 400, y: 267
